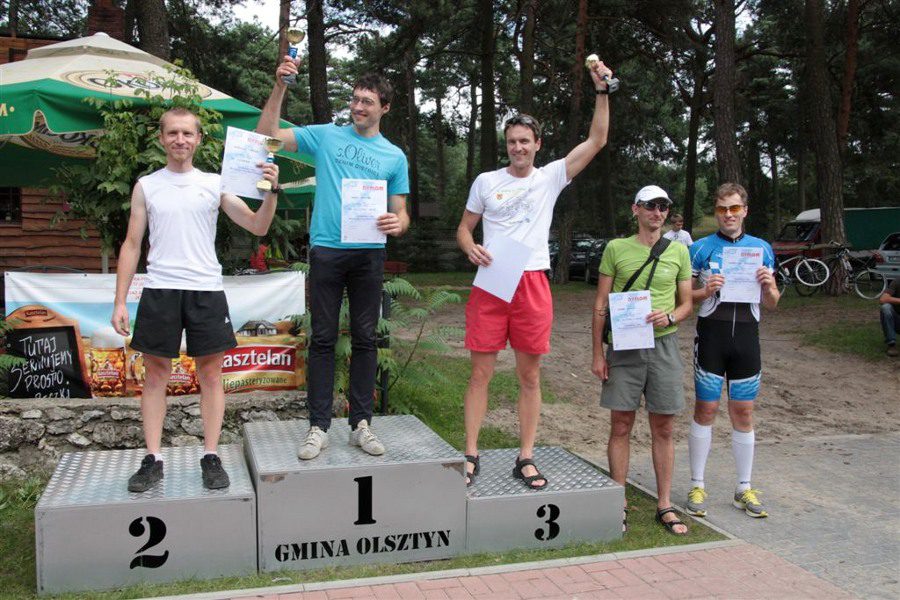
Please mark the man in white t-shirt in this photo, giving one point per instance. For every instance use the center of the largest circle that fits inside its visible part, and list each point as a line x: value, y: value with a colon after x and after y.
x: 183, y: 291
x: 678, y: 233
x: 517, y: 202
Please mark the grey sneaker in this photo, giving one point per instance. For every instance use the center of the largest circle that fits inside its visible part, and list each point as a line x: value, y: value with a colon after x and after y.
x: 365, y: 438
x: 316, y: 439
x: 750, y: 503
x: 696, y: 503
x: 150, y: 473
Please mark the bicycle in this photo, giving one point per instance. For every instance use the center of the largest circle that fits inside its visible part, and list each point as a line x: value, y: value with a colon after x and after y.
x: 864, y: 280
x: 807, y: 275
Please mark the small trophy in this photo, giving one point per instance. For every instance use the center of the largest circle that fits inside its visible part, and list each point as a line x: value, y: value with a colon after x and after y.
x: 273, y: 145
x: 612, y: 84
x: 294, y: 37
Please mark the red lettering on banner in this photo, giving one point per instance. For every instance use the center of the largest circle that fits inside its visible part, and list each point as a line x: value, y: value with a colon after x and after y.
x: 260, y: 358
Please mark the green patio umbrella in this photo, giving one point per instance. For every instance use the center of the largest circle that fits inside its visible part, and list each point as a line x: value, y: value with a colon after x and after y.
x: 44, y: 121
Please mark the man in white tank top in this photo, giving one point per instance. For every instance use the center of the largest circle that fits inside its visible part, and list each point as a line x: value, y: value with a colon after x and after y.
x: 183, y: 292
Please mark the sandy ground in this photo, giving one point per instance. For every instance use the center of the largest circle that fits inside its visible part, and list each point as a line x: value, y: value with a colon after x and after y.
x: 805, y: 391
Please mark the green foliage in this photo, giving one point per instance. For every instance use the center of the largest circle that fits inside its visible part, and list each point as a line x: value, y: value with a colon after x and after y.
x: 99, y: 191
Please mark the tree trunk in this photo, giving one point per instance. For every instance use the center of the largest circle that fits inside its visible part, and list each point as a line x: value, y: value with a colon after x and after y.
x: 441, y: 178
x: 829, y: 174
x: 801, y: 180
x: 473, y: 128
x: 526, y: 66
x: 318, y: 75
x: 413, y: 132
x: 776, y: 199
x: 727, y: 159
x: 488, y: 109
x: 608, y: 220
x: 852, y: 43
x: 759, y: 201
x: 129, y: 22
x: 13, y: 17
x: 153, y: 27
x: 690, y: 170
x: 569, y: 201
x: 284, y: 21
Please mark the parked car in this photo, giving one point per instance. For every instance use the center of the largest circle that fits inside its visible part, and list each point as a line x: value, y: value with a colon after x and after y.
x: 581, y: 246
x: 592, y: 272
x: 887, y: 257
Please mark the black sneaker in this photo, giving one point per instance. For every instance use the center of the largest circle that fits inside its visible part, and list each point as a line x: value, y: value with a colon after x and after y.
x: 214, y: 476
x: 147, y: 476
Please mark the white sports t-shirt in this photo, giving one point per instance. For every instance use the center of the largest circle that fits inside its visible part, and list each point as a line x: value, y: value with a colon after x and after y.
x: 182, y: 210
x: 679, y: 236
x: 520, y: 208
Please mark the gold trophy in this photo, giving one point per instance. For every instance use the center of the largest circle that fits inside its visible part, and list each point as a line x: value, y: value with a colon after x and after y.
x: 294, y: 37
x: 273, y: 145
x: 612, y: 84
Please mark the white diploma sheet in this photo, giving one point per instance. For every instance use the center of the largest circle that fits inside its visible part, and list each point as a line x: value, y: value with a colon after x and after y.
x: 630, y: 329
x: 739, y: 266
x: 362, y: 202
x: 243, y: 150
x: 502, y: 276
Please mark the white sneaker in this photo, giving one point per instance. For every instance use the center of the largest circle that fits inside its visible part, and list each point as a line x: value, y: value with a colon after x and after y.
x: 365, y: 438
x: 316, y: 439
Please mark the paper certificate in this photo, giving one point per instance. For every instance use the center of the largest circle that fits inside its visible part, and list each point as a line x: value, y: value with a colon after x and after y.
x: 739, y: 266
x: 243, y: 151
x: 630, y: 329
x: 508, y: 260
x: 362, y: 202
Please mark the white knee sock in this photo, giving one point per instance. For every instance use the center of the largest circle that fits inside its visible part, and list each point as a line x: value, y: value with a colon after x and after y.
x: 742, y: 444
x: 699, y: 443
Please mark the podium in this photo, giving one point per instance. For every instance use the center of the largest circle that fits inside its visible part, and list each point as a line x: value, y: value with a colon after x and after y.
x: 91, y: 533
x: 346, y: 507
x: 578, y: 504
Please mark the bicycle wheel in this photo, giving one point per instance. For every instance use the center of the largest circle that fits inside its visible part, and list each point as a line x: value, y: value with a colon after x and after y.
x: 781, y: 279
x: 812, y: 272
x: 869, y: 284
x: 805, y: 290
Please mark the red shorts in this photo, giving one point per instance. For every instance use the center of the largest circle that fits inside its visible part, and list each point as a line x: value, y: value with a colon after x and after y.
x: 526, y: 321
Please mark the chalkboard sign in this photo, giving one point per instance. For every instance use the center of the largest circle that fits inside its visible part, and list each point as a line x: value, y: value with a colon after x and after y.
x: 54, y: 364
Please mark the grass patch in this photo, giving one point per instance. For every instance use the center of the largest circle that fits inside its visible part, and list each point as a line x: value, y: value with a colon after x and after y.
x: 865, y: 341
x: 17, y: 579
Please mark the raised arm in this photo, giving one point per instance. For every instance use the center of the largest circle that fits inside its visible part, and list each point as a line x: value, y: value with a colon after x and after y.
x: 269, y: 119
x: 257, y: 222
x: 129, y: 254
x: 584, y: 153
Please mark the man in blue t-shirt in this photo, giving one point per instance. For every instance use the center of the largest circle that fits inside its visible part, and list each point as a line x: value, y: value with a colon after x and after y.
x: 726, y: 348
x: 352, y: 162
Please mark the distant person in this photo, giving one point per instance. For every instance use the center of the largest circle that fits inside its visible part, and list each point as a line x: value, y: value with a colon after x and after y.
x: 726, y: 351
x: 357, y: 151
x: 678, y: 233
x: 517, y: 202
x: 890, y: 316
x: 183, y: 291
x: 654, y: 373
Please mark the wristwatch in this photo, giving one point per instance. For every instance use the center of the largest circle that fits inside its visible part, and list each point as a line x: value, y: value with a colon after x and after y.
x: 602, y: 90
x: 671, y: 317
x: 276, y: 188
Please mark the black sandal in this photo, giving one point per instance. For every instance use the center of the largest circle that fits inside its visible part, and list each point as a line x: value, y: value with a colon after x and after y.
x: 475, y: 471
x: 529, y: 480
x: 669, y: 525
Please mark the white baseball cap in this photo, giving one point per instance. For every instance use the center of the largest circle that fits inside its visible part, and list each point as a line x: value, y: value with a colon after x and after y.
x: 650, y: 192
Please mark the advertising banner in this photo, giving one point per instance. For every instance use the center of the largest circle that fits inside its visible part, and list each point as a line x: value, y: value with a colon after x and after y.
x: 62, y: 329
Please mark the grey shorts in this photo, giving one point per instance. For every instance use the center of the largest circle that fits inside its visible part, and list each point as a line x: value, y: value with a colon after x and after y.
x: 655, y: 372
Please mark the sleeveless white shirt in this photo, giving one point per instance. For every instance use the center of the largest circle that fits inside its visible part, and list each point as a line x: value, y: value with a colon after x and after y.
x: 182, y: 210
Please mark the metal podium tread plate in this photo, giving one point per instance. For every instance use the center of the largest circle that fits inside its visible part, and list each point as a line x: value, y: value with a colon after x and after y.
x: 101, y: 477
x: 273, y: 445
x: 565, y: 473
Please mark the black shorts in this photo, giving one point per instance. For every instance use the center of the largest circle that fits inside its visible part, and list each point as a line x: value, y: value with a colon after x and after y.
x: 726, y: 349
x: 163, y: 314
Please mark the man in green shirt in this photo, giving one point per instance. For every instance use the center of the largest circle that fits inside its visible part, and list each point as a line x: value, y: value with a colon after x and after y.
x: 655, y: 373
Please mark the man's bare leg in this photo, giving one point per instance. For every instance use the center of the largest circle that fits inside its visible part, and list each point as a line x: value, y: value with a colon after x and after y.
x: 153, y: 400
x: 528, y: 371
x: 663, y: 450
x: 476, y: 399
x: 212, y: 398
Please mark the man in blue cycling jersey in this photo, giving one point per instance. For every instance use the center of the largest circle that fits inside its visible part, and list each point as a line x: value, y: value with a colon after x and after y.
x: 726, y: 350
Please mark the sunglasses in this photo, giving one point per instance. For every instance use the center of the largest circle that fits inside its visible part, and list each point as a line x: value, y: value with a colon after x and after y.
x: 661, y: 205
x: 733, y: 210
